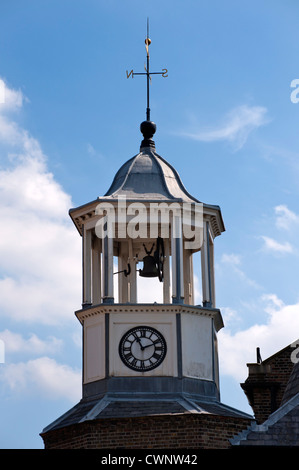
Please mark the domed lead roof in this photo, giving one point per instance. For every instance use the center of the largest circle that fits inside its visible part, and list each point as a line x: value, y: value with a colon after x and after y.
x: 147, y: 176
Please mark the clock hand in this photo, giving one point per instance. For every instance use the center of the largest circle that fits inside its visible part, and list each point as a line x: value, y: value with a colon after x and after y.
x: 140, y: 343
x: 138, y: 340
x: 147, y: 346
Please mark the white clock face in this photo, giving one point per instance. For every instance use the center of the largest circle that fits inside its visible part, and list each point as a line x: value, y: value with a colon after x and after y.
x: 142, y: 348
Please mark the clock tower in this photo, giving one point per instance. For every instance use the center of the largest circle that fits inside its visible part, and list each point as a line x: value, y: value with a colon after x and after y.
x: 150, y: 373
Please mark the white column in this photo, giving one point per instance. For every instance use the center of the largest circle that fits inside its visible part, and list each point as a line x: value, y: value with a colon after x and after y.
x: 96, y: 271
x: 132, y: 277
x: 107, y: 268
x: 188, y: 277
x: 206, y: 268
x: 121, y: 278
x: 86, y: 254
x: 166, y: 272
x: 177, y: 260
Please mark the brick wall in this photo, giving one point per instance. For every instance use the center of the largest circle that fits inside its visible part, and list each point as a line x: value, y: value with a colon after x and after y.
x: 266, y: 383
x: 202, y: 431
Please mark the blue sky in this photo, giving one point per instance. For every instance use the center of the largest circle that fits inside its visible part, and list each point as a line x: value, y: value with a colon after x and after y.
x: 71, y: 118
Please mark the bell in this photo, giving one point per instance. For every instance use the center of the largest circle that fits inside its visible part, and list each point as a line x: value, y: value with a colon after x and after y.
x: 149, y: 267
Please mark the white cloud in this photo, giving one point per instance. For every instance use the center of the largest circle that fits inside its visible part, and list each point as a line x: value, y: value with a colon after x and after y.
x: 234, y: 262
x: 273, y: 304
x: 280, y: 330
x: 12, y: 100
x: 93, y: 152
x: 273, y: 246
x: 15, y: 343
x: 149, y: 290
x: 235, y: 128
x: 40, y: 261
x: 40, y: 250
x: 231, y: 259
x: 42, y: 376
x: 28, y: 186
x: 230, y: 316
x: 197, y: 290
x: 286, y: 219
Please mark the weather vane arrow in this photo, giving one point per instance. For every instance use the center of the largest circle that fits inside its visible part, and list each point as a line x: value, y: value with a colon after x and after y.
x: 147, y: 72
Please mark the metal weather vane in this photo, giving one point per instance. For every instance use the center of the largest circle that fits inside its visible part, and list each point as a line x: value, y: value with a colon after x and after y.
x: 147, y: 72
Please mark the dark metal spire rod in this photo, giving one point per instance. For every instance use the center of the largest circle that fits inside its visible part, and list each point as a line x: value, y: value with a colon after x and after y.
x: 148, y: 73
x: 147, y: 43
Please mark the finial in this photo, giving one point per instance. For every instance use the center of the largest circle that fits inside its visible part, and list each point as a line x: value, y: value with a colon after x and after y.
x: 148, y: 128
